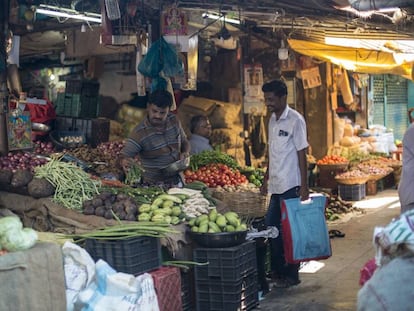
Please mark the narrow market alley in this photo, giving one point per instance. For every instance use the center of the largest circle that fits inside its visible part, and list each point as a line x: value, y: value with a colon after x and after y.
x: 335, y: 285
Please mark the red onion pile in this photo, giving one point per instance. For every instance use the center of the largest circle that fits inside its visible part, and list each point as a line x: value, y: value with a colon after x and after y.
x: 43, y: 148
x: 20, y: 160
x: 112, y: 148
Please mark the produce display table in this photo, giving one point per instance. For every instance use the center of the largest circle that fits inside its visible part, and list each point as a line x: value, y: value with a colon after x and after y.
x: 46, y: 216
x: 33, y: 279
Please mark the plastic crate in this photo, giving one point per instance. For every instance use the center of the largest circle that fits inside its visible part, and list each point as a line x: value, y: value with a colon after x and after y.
x: 88, y: 88
x: 187, y: 290
x: 351, y: 192
x: 133, y: 255
x: 225, y: 264
x: 100, y: 129
x: 227, y: 296
x: 80, y: 106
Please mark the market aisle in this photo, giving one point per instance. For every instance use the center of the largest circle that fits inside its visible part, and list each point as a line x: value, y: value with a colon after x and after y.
x: 335, y: 286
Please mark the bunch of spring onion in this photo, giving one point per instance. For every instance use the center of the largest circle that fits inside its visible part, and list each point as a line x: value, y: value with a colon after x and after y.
x: 125, y: 231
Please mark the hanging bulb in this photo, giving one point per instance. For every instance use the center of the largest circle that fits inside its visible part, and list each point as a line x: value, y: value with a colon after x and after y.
x: 282, y: 52
x: 83, y: 28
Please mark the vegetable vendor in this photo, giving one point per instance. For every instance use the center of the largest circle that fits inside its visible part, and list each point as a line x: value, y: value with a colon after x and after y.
x: 159, y: 140
x: 200, y: 128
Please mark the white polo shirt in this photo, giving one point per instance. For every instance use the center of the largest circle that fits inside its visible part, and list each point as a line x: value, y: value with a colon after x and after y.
x: 286, y: 137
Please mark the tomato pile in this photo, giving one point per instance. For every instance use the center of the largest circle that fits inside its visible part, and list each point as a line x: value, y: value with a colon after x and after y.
x: 216, y: 174
x: 332, y: 159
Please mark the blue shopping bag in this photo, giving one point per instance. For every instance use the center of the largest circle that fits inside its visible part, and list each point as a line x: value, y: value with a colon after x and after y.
x: 304, y: 230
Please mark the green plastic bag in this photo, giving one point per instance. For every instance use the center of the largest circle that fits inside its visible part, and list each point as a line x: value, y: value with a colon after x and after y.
x: 161, y: 56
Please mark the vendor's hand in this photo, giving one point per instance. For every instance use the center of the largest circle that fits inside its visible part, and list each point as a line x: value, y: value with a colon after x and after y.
x: 304, y: 193
x: 263, y: 188
x: 126, y: 164
x: 184, y: 155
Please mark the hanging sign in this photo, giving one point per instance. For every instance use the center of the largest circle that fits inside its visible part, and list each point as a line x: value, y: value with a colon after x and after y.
x: 311, y: 77
x: 253, y: 81
x: 19, y: 130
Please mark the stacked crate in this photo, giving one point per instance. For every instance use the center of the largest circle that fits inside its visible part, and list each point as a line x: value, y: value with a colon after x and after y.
x: 133, y: 255
x: 351, y: 192
x: 81, y: 99
x: 229, y: 280
x: 187, y: 290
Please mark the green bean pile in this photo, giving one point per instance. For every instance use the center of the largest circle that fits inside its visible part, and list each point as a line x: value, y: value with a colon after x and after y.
x: 73, y: 185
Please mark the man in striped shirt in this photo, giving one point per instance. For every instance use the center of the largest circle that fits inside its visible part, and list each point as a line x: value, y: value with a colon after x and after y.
x: 158, y: 141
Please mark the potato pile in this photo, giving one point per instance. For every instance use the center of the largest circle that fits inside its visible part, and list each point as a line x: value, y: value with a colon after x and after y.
x: 109, y: 205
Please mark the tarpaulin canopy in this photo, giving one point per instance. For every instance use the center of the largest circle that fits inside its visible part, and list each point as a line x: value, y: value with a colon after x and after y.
x: 354, y: 59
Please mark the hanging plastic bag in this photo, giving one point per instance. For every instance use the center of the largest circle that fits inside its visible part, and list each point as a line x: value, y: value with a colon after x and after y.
x: 161, y: 56
x: 258, y: 137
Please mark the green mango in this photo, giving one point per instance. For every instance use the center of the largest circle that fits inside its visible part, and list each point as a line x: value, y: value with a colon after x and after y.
x: 213, y: 226
x: 144, y: 208
x: 230, y: 228
x: 221, y: 221
x: 191, y: 222
x: 144, y: 217
x: 167, y: 203
x: 176, y: 211
x: 203, y: 228
x: 213, y: 215
x: 200, y: 218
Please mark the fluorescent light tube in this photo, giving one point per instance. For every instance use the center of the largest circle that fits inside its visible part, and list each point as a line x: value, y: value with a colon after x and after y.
x: 214, y: 16
x: 68, y: 15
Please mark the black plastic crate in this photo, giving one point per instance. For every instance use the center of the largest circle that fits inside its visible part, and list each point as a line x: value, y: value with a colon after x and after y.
x: 187, y: 290
x: 73, y: 86
x: 228, y: 296
x: 225, y: 264
x: 133, y: 255
x: 351, y: 192
x: 81, y: 87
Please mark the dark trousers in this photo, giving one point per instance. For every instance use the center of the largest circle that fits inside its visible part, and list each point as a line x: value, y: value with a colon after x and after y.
x: 280, y: 268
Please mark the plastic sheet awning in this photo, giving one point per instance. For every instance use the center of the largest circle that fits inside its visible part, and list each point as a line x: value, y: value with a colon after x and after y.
x: 354, y: 59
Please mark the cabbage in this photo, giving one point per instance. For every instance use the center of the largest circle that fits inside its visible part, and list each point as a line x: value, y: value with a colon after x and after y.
x: 10, y: 223
x: 19, y: 240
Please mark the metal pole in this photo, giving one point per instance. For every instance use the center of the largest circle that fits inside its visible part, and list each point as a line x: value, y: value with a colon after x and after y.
x: 4, y: 29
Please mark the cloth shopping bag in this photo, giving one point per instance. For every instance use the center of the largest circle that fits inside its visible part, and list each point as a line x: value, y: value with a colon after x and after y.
x: 304, y: 230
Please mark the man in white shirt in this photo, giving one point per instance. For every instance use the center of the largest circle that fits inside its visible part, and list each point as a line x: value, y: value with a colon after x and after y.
x: 286, y: 174
x: 200, y: 128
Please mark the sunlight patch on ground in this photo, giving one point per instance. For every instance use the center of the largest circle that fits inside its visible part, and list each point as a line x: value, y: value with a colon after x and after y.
x: 311, y: 266
x: 390, y: 202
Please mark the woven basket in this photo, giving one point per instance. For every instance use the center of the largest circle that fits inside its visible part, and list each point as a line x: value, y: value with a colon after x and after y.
x: 333, y: 167
x: 352, y: 180
x: 245, y: 204
x: 377, y: 177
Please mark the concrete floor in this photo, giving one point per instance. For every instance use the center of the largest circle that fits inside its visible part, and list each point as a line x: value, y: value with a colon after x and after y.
x: 335, y: 286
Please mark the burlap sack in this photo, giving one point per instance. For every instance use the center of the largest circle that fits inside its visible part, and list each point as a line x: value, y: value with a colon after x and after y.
x: 226, y: 115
